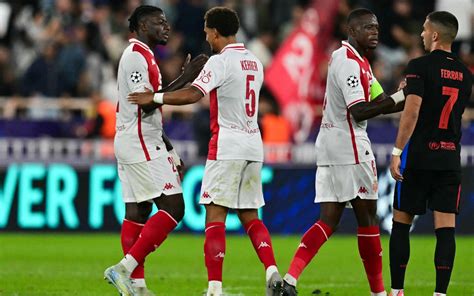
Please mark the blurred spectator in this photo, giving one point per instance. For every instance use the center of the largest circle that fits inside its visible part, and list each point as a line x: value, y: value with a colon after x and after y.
x: 7, y: 79
x: 262, y: 45
x: 190, y: 23
x: 42, y: 76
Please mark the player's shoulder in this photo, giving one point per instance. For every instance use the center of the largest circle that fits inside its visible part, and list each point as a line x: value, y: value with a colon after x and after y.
x: 131, y: 55
x: 343, y: 60
x: 421, y: 61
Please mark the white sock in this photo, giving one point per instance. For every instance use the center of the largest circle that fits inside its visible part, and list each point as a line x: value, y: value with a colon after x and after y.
x: 396, y: 291
x: 214, y: 287
x: 290, y: 279
x: 270, y: 270
x: 438, y: 294
x: 139, y: 283
x: 378, y: 294
x: 129, y: 262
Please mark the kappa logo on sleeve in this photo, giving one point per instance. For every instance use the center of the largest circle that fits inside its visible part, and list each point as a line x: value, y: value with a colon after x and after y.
x: 136, y: 77
x: 352, y: 81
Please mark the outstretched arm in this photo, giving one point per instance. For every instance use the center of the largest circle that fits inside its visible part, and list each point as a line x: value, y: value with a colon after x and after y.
x: 184, y: 96
x: 382, y: 104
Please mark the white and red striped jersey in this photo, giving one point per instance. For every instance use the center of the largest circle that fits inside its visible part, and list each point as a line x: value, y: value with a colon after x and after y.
x: 138, y: 135
x: 342, y: 140
x: 233, y: 79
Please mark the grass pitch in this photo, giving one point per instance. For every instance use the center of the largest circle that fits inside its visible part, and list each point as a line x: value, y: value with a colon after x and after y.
x: 73, y: 264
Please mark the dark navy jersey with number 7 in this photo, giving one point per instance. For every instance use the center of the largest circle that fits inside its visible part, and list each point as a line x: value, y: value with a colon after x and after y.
x: 444, y: 84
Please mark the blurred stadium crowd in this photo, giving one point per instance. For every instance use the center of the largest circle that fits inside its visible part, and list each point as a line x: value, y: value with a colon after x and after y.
x: 58, y: 58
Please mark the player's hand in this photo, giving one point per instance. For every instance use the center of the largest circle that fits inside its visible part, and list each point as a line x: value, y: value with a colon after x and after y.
x: 402, y: 84
x: 186, y: 62
x: 192, y: 69
x: 395, y: 168
x: 180, y: 169
x: 142, y: 99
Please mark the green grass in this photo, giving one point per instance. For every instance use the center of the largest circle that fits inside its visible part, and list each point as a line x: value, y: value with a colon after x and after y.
x: 73, y: 264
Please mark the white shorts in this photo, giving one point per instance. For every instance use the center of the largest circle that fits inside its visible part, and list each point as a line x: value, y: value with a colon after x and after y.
x: 235, y: 184
x: 148, y: 180
x: 342, y: 183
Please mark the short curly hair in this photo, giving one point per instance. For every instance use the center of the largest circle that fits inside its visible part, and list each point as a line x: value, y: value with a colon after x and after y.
x: 139, y: 13
x: 223, y: 19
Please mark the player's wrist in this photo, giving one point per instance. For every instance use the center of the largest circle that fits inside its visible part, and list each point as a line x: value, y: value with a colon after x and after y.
x: 398, y: 97
x: 396, y: 151
x: 158, y: 98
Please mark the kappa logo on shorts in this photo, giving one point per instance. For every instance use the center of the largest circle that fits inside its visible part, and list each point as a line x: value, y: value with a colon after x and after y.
x: 352, y: 81
x: 205, y: 195
x: 363, y: 190
x: 168, y: 186
x: 136, y: 77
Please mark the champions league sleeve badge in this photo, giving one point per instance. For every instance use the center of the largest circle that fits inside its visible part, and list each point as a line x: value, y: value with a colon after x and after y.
x: 136, y: 77
x: 352, y: 81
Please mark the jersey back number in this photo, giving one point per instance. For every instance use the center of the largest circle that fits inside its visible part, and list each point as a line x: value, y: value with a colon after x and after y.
x: 448, y: 106
x: 250, y: 97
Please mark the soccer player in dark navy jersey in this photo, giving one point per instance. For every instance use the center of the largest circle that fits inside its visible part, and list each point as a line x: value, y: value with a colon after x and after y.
x: 426, y: 157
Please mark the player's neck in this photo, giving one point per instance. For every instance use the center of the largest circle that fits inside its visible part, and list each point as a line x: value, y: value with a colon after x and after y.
x: 441, y: 46
x: 357, y: 47
x: 226, y: 41
x: 145, y: 40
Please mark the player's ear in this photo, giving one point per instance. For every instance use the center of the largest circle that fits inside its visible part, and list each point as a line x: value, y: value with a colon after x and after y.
x: 435, y: 36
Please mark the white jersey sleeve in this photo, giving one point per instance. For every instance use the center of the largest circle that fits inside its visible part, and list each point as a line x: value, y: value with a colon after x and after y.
x: 135, y: 68
x: 212, y: 75
x: 349, y: 80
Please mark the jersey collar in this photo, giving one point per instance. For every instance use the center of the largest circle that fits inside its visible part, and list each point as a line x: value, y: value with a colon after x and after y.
x: 234, y: 46
x: 352, y: 49
x: 144, y: 45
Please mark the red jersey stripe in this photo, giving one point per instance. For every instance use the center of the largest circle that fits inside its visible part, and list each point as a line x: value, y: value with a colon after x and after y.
x: 140, y: 135
x: 213, y: 109
x: 199, y: 87
x: 355, y: 102
x: 354, y: 145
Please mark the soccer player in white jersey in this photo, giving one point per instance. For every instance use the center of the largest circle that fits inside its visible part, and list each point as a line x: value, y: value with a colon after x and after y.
x: 147, y: 164
x: 232, y: 78
x: 346, y: 165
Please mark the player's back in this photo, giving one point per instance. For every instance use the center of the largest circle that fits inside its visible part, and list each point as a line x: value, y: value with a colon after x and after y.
x: 237, y: 76
x: 444, y: 84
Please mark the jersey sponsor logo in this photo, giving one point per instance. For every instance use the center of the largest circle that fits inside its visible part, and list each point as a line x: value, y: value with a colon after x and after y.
x: 205, y: 77
x: 363, y: 190
x: 327, y: 125
x: 168, y: 186
x: 450, y: 146
x: 136, y: 77
x: 263, y: 245
x: 352, y: 81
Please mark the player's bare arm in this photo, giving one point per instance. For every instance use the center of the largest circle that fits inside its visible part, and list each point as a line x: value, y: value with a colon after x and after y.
x: 408, y: 122
x: 366, y: 110
x: 184, y: 96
